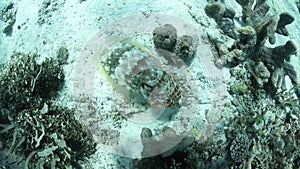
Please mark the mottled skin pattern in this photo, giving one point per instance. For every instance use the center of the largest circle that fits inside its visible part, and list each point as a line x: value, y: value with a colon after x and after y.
x: 151, y: 87
x: 154, y: 87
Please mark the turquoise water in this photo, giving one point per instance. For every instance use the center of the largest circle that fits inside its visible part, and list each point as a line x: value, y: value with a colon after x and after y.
x: 149, y: 84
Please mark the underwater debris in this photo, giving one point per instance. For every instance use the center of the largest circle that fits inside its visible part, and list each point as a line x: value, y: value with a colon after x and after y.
x: 265, y: 64
x: 25, y: 83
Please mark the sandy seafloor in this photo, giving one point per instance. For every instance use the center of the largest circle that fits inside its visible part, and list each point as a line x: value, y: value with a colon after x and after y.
x: 71, y: 23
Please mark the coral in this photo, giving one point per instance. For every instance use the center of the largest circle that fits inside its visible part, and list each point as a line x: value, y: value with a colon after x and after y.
x: 276, y: 61
x: 223, y: 17
x: 239, y: 148
x: 284, y: 20
x: 255, y: 17
x: 37, y: 134
x: 8, y: 15
x: 268, y: 66
x: 215, y: 10
x: 260, y: 72
x: 165, y: 37
x: 24, y: 82
x: 247, y: 38
x: 239, y: 88
x: 167, y: 44
x: 186, y: 49
x: 273, y: 138
x: 260, y: 120
x: 48, y: 137
x: 62, y: 55
x: 49, y: 80
x: 208, y: 154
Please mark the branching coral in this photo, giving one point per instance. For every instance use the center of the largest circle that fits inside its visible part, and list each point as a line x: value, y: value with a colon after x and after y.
x: 49, y: 137
x: 267, y: 119
x: 24, y: 82
x: 37, y: 134
x: 268, y: 65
